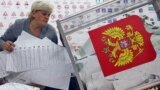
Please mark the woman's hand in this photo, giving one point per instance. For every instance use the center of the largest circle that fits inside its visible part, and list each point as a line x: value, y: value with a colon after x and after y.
x: 8, y: 46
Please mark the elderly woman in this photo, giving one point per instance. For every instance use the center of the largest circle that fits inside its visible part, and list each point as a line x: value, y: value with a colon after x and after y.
x: 36, y: 24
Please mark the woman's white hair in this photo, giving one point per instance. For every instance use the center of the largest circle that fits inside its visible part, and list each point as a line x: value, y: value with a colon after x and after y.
x: 41, y: 5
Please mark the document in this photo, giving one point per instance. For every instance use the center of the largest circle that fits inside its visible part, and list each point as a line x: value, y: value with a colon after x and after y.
x: 17, y: 86
x: 35, y: 53
x: 3, y: 60
x: 47, y: 63
x: 52, y: 76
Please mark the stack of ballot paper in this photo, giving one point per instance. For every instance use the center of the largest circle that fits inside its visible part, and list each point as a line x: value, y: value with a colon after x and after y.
x: 35, y: 53
x: 38, y: 61
x: 17, y: 86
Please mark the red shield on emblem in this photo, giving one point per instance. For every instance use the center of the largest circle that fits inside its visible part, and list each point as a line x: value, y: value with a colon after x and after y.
x: 122, y: 45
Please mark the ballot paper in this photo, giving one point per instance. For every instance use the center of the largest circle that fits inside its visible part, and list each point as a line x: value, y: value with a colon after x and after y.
x: 135, y: 76
x: 39, y: 61
x: 3, y: 72
x: 33, y: 53
x: 154, y: 66
x: 52, y: 76
x: 128, y: 79
x: 17, y: 86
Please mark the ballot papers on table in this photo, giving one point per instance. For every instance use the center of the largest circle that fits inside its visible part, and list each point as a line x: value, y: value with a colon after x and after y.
x: 31, y: 52
x: 17, y: 86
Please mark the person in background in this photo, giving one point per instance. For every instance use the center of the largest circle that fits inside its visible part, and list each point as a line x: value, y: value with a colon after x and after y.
x: 36, y: 24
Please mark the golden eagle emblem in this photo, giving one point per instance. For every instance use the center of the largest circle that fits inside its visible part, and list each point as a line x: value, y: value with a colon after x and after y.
x: 122, y: 45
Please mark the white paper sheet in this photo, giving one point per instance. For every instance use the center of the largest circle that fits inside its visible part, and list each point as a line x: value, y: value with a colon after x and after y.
x: 17, y: 86
x: 39, y: 61
x: 3, y: 60
x: 35, y: 53
x: 51, y: 76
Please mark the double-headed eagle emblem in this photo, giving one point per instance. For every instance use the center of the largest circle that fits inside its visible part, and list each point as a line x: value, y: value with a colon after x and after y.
x: 122, y: 45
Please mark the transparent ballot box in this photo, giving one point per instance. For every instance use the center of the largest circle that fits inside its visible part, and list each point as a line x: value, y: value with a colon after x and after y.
x: 115, y: 45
